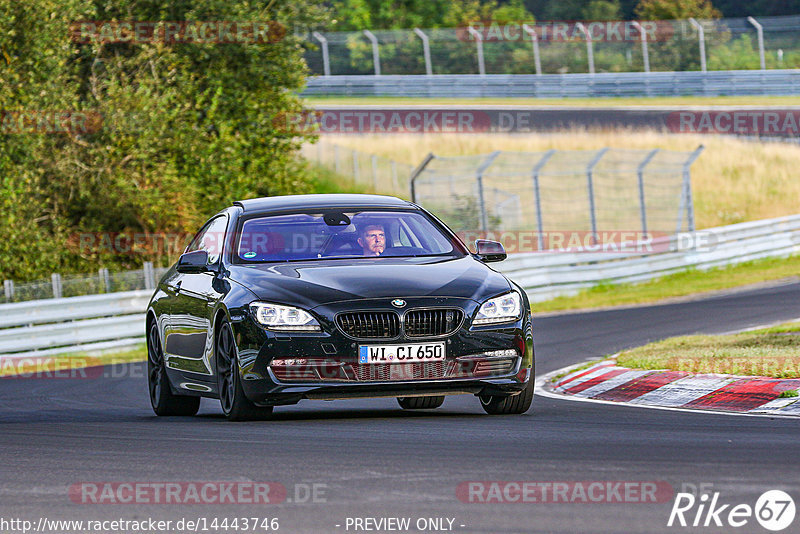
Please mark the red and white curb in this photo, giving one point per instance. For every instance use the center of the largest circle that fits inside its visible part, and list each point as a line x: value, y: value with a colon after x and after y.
x: 606, y: 381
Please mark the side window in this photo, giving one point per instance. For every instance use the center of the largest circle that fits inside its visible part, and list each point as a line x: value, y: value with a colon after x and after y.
x: 405, y: 241
x: 407, y: 237
x: 211, y: 238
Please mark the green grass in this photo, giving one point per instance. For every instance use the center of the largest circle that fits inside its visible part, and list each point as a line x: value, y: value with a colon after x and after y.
x: 582, y: 102
x: 772, y: 352
x: 789, y: 393
x: 690, y: 282
x: 63, y: 362
x: 785, y: 328
x: 325, y: 180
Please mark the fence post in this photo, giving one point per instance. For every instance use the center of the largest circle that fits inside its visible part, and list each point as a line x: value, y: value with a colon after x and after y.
x: 590, y: 185
x: 536, y: 169
x: 645, y: 51
x: 375, y: 172
x: 416, y: 172
x: 589, y: 46
x: 105, y: 280
x: 55, y: 280
x: 376, y: 57
x: 426, y: 51
x: 395, y: 184
x: 479, y: 44
x: 326, y: 60
x: 701, y: 36
x: 337, y: 164
x: 640, y: 177
x: 8, y: 286
x: 687, y: 184
x: 479, y: 180
x: 760, y: 31
x: 537, y: 60
x: 356, y: 176
x: 149, y: 275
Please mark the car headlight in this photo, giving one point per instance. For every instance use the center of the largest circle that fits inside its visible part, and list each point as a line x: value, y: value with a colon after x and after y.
x: 284, y: 318
x: 500, y: 309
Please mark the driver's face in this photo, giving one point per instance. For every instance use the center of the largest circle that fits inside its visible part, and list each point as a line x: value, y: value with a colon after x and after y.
x: 373, y: 241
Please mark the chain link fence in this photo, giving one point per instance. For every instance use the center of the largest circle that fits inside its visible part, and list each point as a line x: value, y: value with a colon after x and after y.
x: 647, y: 191
x: 642, y: 191
x: 369, y: 170
x: 74, y: 285
x: 557, y: 191
x: 562, y: 47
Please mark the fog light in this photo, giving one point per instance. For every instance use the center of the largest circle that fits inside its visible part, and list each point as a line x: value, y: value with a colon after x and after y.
x: 509, y: 353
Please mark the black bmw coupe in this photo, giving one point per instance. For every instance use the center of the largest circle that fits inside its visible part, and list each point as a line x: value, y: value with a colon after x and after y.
x: 281, y: 299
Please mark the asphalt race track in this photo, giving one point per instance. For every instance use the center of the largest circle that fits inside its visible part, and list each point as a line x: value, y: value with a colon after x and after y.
x: 375, y: 460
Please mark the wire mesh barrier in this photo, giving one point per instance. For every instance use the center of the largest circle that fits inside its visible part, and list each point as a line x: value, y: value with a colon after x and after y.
x: 73, y: 285
x: 374, y: 172
x: 549, y: 199
x: 600, y: 85
x: 557, y: 47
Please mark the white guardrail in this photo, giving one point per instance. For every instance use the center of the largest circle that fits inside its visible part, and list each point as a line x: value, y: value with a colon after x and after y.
x: 116, y: 320
x: 73, y: 324
x: 548, y: 275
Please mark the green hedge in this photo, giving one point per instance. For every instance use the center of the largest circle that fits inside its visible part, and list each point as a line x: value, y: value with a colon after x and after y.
x: 178, y: 130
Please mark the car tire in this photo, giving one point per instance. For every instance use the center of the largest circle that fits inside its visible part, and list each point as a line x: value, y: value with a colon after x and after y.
x: 420, y: 403
x: 235, y: 404
x: 509, y: 405
x: 162, y: 399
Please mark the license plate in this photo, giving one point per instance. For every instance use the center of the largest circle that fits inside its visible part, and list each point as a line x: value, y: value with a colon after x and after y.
x: 410, y: 353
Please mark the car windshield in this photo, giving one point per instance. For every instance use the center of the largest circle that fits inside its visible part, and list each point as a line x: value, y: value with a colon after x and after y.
x: 341, y: 234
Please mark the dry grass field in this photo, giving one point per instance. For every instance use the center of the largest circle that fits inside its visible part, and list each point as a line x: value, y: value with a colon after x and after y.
x: 733, y: 181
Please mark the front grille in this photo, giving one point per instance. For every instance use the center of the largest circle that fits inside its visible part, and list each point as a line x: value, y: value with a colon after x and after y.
x: 427, y: 323
x: 339, y: 371
x: 370, y: 325
x: 401, y: 371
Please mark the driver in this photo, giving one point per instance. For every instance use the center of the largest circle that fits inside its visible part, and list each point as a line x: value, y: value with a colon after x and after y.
x: 372, y: 239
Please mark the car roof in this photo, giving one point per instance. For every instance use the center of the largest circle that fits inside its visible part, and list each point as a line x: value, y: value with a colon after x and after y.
x: 288, y: 202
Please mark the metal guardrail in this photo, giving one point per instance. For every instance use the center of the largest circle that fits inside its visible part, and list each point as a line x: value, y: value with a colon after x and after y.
x: 548, y: 275
x: 62, y: 325
x: 527, y: 47
x: 74, y: 285
x: 116, y: 320
x: 712, y: 83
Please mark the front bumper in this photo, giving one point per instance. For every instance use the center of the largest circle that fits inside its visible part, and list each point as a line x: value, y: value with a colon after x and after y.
x: 485, y: 360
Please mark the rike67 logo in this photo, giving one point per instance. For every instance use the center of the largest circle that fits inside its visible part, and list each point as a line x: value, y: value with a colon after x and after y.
x: 774, y: 510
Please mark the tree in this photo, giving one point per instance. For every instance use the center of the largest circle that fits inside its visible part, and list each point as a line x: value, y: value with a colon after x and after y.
x: 602, y: 10
x: 186, y: 127
x: 356, y: 15
x: 676, y: 9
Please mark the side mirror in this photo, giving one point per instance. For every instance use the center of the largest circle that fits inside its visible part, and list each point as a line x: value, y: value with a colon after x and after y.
x: 489, y: 251
x: 193, y: 262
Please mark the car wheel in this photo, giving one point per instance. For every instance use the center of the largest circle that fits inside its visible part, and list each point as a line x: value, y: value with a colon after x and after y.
x: 162, y: 399
x: 235, y: 405
x: 509, y: 405
x: 420, y: 403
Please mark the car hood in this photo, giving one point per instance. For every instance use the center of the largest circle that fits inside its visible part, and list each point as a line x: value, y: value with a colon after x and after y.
x: 309, y: 284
